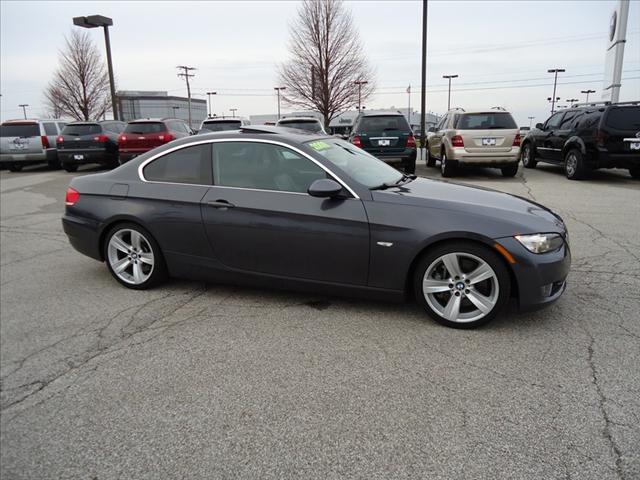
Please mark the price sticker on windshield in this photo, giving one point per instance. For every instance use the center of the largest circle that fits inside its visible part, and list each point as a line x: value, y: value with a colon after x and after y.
x: 319, y: 145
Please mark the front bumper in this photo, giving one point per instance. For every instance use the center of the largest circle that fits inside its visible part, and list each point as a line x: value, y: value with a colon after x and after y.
x: 492, y: 159
x: 540, y: 278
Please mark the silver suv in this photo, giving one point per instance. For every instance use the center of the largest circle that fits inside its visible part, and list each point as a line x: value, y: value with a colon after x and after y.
x: 310, y: 124
x: 27, y: 142
x: 486, y: 138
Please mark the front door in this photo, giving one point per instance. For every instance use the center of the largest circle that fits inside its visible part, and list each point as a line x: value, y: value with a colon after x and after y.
x: 546, y: 144
x: 259, y: 217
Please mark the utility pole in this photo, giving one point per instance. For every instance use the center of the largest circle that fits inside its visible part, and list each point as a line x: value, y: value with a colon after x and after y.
x: 277, y: 89
x: 530, y: 121
x: 209, y: 98
x: 587, y: 92
x: 233, y: 112
x: 449, y: 77
x: 409, y: 105
x: 423, y: 98
x: 24, y: 109
x: 186, y: 75
x: 360, y: 83
x: 555, y: 71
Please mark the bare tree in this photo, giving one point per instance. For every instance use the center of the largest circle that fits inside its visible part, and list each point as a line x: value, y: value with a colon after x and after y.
x: 80, y: 86
x: 326, y: 60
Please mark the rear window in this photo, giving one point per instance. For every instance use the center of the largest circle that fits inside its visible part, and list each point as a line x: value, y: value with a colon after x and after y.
x: 383, y: 123
x: 145, y: 127
x: 20, y: 130
x: 624, y: 118
x: 485, y: 121
x: 308, y: 125
x: 221, y: 126
x: 82, y: 129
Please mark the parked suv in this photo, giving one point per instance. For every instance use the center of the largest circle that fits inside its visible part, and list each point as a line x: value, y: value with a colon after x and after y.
x: 310, y: 124
x: 27, y: 142
x: 587, y: 137
x: 386, y: 136
x: 140, y: 136
x: 486, y: 138
x: 89, y: 142
x: 222, y: 124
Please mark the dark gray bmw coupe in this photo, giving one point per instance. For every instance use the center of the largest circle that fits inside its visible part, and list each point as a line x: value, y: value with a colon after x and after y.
x: 281, y: 208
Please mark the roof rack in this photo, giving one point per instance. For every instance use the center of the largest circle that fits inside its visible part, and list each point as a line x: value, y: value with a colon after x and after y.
x: 604, y: 103
x: 457, y: 108
x: 499, y: 108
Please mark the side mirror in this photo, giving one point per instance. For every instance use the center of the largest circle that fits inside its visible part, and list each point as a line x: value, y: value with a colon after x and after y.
x: 325, y: 188
x: 539, y: 126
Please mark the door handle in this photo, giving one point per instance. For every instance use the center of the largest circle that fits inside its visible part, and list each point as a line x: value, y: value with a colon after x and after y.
x: 220, y: 204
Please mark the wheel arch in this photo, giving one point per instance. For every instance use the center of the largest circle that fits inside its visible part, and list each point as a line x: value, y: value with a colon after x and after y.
x: 112, y: 222
x: 574, y: 142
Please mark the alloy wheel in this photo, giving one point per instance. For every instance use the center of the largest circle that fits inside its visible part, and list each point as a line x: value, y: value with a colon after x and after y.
x: 571, y: 164
x: 130, y: 256
x: 443, y: 162
x: 460, y: 287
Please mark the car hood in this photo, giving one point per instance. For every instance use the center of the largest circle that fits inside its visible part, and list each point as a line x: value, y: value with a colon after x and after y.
x: 506, y: 213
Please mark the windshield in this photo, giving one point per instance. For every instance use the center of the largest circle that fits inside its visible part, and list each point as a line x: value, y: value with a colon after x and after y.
x: 308, y: 125
x: 82, y: 129
x: 355, y: 162
x: 20, y: 130
x: 485, y: 121
x: 221, y: 126
x: 145, y: 127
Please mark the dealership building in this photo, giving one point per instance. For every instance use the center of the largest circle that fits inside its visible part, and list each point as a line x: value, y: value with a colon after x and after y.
x: 135, y: 104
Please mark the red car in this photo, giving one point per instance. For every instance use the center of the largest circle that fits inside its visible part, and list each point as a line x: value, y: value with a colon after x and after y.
x: 140, y: 136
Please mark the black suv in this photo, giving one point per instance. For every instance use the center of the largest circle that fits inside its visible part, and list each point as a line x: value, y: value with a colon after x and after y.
x: 386, y: 136
x: 583, y: 138
x: 89, y: 142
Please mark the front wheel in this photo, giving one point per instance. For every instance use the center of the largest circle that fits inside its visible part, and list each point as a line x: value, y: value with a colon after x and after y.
x: 462, y: 284
x: 410, y: 167
x: 134, y: 257
x: 448, y: 168
x: 528, y: 159
x: 510, y: 170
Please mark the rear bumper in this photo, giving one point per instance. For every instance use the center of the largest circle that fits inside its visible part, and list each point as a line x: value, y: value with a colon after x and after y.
x: 89, y: 156
x: 83, y: 235
x: 495, y: 159
x: 617, y: 160
x: 540, y: 278
x: 407, y: 156
x: 47, y: 155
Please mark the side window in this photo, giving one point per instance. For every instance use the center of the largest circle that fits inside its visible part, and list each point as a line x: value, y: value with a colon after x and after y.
x: 263, y: 166
x: 553, y: 121
x: 187, y: 165
x: 566, y: 121
x: 442, y: 123
x: 50, y: 128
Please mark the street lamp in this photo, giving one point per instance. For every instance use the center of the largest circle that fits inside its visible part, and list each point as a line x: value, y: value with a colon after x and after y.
x: 93, y: 21
x: 360, y: 83
x: 571, y: 101
x: 530, y: 121
x: 209, y: 98
x: 24, y: 109
x: 587, y: 92
x: 233, y: 112
x: 277, y: 89
x: 555, y: 71
x: 449, y: 77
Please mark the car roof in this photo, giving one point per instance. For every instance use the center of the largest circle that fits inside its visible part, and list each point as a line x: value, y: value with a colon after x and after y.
x: 32, y: 120
x: 227, y: 119
x: 142, y: 120
x: 91, y: 122
x: 288, y: 135
x: 380, y: 114
x: 295, y: 119
x: 476, y: 111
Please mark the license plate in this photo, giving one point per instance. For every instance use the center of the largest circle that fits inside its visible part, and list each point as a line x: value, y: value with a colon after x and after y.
x: 488, y: 142
x: 384, y: 143
x: 78, y: 157
x: 634, y: 145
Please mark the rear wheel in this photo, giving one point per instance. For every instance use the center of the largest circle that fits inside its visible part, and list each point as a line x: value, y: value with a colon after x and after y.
x: 635, y: 172
x: 54, y: 164
x: 509, y: 171
x: 431, y: 162
x: 410, y: 166
x: 528, y: 158
x: 574, y: 165
x: 15, y: 167
x: 134, y: 257
x: 462, y: 284
x: 69, y: 167
x: 448, y: 168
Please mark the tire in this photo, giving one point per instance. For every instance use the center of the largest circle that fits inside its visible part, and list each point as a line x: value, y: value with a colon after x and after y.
x: 635, y: 172
x: 431, y: 162
x: 54, y: 164
x: 136, y: 264
x: 448, y: 168
x: 575, y: 167
x: 528, y: 156
x: 510, y: 171
x: 491, y: 291
x: 410, y: 167
x: 15, y: 167
x: 69, y: 167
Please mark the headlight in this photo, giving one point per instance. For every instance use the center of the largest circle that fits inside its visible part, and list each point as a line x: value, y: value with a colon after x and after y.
x: 540, y: 242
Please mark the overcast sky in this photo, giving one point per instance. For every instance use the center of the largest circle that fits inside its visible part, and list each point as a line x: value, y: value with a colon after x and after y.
x: 500, y: 50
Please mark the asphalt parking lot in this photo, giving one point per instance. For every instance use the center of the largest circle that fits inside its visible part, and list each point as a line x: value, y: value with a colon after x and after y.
x: 209, y: 381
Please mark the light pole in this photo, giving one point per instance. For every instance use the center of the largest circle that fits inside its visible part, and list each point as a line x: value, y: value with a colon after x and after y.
x: 423, y: 87
x: 233, y: 112
x: 555, y: 71
x: 209, y: 98
x: 449, y: 77
x: 409, y: 104
x: 360, y: 83
x: 571, y: 101
x: 277, y: 89
x: 93, y: 21
x: 587, y: 92
x: 553, y: 102
x: 24, y: 109
x: 530, y: 121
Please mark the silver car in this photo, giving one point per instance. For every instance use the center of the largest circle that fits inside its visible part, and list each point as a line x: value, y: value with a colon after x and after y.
x: 310, y: 124
x: 27, y: 142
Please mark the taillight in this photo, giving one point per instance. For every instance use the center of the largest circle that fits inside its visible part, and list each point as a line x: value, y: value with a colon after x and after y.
x: 101, y: 138
x: 356, y: 141
x: 60, y: 139
x: 601, y: 137
x: 167, y: 137
x: 457, y: 141
x: 45, y: 141
x: 516, y: 140
x: 72, y: 197
x: 122, y: 138
x: 411, y: 142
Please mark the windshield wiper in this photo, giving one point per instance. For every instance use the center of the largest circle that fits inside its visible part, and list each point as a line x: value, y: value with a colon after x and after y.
x: 401, y: 181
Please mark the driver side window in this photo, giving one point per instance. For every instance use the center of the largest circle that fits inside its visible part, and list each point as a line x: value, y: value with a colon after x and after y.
x: 553, y: 121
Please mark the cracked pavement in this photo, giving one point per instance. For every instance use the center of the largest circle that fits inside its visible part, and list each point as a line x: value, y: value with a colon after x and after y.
x: 209, y: 381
